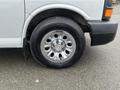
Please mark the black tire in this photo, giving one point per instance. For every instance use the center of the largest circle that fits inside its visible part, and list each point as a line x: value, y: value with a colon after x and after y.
x: 48, y: 25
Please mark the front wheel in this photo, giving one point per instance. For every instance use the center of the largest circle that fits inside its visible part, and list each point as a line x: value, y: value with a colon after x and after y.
x: 57, y: 42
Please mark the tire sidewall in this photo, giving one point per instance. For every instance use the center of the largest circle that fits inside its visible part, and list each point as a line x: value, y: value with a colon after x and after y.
x: 42, y: 29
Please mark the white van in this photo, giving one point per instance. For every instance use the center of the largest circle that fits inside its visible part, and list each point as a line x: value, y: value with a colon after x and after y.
x: 54, y: 30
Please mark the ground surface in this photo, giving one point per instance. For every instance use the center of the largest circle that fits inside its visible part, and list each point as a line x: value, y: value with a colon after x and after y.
x: 99, y: 69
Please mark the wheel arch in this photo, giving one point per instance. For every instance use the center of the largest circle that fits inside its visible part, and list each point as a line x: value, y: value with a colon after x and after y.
x: 54, y: 10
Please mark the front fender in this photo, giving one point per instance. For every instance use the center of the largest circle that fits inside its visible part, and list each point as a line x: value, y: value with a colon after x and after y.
x: 46, y: 7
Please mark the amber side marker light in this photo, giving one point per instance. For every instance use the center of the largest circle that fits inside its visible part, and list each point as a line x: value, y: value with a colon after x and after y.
x: 108, y: 12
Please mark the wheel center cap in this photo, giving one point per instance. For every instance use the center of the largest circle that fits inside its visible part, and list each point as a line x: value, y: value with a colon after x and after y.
x: 58, y: 45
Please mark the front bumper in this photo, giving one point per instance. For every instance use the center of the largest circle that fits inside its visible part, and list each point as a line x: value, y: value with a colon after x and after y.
x: 102, y: 32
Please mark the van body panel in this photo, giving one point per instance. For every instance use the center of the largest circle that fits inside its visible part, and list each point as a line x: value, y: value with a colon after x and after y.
x: 92, y: 8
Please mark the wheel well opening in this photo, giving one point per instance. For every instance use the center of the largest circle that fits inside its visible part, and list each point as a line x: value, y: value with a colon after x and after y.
x: 57, y: 12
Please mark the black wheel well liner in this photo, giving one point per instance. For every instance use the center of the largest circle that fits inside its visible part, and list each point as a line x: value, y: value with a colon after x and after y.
x: 57, y: 12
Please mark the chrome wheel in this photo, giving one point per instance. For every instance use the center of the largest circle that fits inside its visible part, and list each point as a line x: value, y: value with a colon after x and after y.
x: 58, y: 46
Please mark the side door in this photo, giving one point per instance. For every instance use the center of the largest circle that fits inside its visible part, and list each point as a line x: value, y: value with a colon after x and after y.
x: 11, y: 20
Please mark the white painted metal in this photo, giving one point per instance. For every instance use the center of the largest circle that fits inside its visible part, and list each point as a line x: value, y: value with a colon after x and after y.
x: 10, y: 42
x: 12, y: 15
x: 92, y: 8
x: 11, y: 22
x: 52, y: 6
